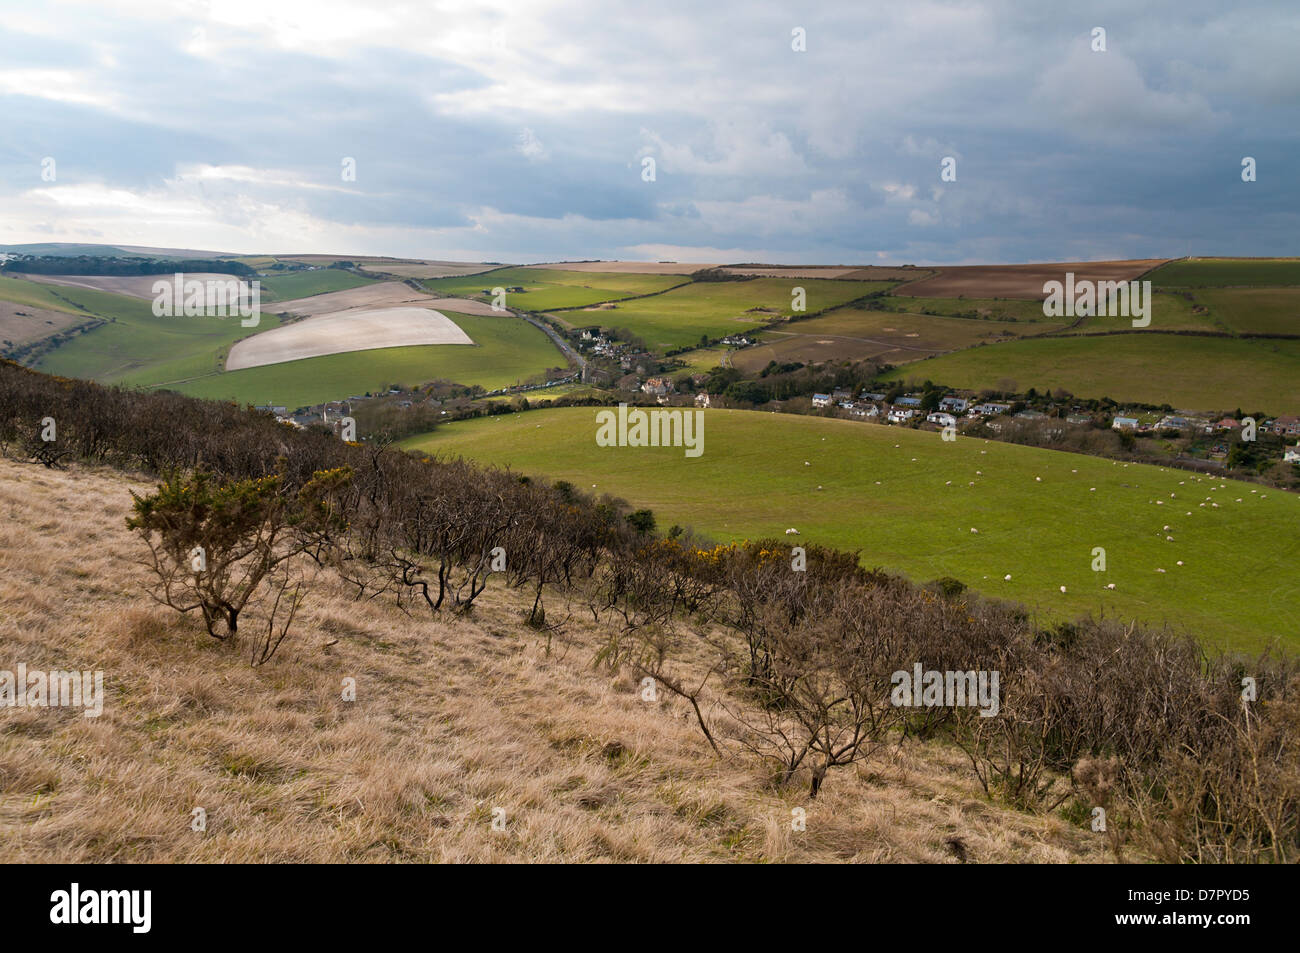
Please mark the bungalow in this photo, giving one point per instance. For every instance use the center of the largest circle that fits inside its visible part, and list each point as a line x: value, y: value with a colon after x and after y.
x: 870, y: 410
x: 954, y: 405
x: 869, y: 396
x: 1031, y: 415
x: 1078, y: 419
x: 846, y: 404
x: 990, y: 410
x: 942, y: 419
x: 908, y: 402
x: 1287, y: 426
x: 821, y: 400
x: 841, y: 393
x: 1173, y: 423
x: 897, y: 416
x: 1227, y: 423
x: 1124, y: 423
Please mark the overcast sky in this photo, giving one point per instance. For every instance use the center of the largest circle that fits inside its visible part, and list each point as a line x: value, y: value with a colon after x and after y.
x: 516, y: 131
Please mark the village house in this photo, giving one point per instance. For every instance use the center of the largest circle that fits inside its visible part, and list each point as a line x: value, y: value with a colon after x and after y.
x: 954, y: 405
x: 841, y: 393
x: 942, y: 419
x: 821, y: 400
x: 1287, y: 425
x: 908, y: 401
x: 1227, y: 423
x: 658, y: 386
x: 1124, y: 423
x: 901, y: 415
x: 990, y: 409
x: 865, y: 395
x: 1031, y: 415
x: 1078, y: 419
x: 1292, y: 454
x: 702, y: 400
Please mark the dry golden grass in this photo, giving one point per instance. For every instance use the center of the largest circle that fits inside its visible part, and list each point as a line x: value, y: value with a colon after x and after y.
x: 454, y: 717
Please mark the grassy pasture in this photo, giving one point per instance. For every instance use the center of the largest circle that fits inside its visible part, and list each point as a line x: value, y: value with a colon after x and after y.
x: 545, y: 289
x: 1255, y: 310
x: 1191, y: 373
x: 35, y: 295
x: 857, y: 334
x: 991, y: 308
x: 138, y: 348
x: 506, y: 351
x: 1169, y: 312
x: 679, y: 317
x: 1227, y: 272
x: 304, y: 284
x: 905, y: 499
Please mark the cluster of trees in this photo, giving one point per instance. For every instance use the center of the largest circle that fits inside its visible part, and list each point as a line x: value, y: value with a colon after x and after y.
x: 785, y: 654
x: 98, y: 265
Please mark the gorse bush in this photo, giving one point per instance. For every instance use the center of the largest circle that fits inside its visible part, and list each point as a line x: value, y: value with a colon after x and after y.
x: 783, y: 656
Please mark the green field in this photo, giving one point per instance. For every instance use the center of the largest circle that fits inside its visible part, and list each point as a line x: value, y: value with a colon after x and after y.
x: 1227, y: 272
x: 1255, y: 310
x: 905, y: 499
x: 679, y: 317
x: 35, y: 294
x: 992, y: 308
x: 138, y: 348
x: 1190, y: 373
x: 507, y: 351
x: 545, y: 288
x: 1168, y: 312
x: 304, y: 284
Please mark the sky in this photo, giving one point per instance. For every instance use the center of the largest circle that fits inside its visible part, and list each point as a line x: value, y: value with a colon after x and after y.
x: 779, y: 132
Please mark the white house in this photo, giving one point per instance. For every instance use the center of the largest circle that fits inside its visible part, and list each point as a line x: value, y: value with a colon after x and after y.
x: 954, y: 405
x: 900, y: 415
x: 821, y: 400
x: 989, y: 410
x: 942, y: 419
x: 1292, y: 454
x: 1124, y: 423
x: 701, y: 400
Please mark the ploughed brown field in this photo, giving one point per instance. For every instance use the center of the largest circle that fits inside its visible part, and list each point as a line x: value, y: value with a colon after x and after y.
x: 1020, y: 281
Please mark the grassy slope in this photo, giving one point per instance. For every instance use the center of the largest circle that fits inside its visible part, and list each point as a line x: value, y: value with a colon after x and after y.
x: 304, y: 284
x: 1238, y: 584
x: 1224, y: 272
x: 138, y: 348
x: 546, y: 288
x: 507, y: 351
x: 1255, y: 310
x: 453, y: 717
x: 677, y: 318
x: 1192, y: 373
x: 35, y: 294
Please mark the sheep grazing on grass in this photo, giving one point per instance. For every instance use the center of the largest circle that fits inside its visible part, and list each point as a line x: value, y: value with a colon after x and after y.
x: 792, y: 532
